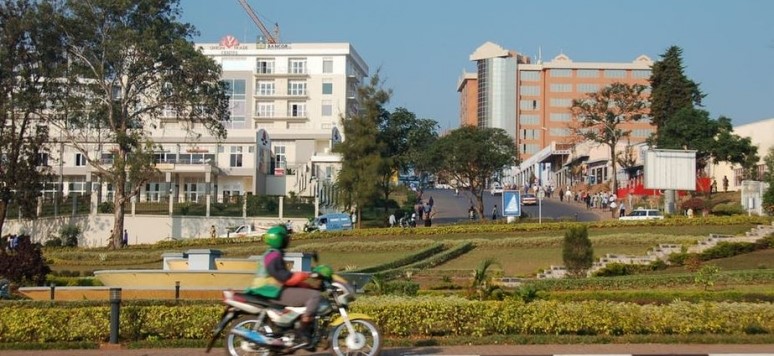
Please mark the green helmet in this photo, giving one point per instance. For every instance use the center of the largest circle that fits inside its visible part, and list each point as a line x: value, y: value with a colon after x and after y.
x: 277, y: 237
x: 323, y: 270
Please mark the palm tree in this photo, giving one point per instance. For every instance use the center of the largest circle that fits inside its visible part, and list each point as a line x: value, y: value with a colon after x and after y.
x: 481, y: 277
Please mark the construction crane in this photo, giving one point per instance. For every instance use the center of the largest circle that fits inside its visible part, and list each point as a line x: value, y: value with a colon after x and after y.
x: 253, y: 16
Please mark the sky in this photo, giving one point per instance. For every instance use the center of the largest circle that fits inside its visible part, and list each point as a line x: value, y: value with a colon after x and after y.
x: 421, y: 47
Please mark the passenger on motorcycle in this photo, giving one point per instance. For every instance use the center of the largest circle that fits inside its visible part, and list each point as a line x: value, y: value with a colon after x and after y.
x: 274, y: 281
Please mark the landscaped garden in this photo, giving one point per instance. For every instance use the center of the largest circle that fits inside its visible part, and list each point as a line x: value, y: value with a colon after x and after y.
x: 441, y: 285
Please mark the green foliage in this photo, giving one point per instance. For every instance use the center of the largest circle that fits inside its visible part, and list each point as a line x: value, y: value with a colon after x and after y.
x: 421, y: 255
x: 433, y: 261
x: 727, y: 249
x: 69, y: 235
x: 650, y: 296
x: 407, y: 288
x: 671, y: 90
x: 706, y: 276
x: 727, y: 209
x: 24, y: 265
x: 768, y: 196
x: 625, y: 269
x: 474, y: 155
x: 577, y: 252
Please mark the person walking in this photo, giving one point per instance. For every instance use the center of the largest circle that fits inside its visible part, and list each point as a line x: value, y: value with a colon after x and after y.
x: 622, y: 209
x: 392, y: 220
x: 213, y: 232
x: 725, y: 183
x: 125, y: 241
x: 494, y: 213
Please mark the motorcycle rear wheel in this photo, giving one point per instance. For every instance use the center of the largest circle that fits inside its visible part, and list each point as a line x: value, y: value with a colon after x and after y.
x: 367, y: 340
x: 238, y: 346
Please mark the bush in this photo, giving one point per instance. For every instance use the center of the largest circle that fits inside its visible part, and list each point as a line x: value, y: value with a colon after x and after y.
x: 728, y: 209
x: 727, y: 249
x: 105, y: 207
x: 53, y: 242
x: 577, y: 252
x: 69, y: 235
x: 694, y: 203
x: 24, y: 265
x: 407, y: 288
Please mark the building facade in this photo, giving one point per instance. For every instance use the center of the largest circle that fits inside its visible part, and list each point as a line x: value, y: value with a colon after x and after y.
x: 286, y: 104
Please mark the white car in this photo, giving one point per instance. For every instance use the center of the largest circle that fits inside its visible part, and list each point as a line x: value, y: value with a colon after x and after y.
x: 497, y: 189
x: 643, y: 214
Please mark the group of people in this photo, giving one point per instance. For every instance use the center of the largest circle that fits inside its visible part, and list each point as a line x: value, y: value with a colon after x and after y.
x: 11, y: 242
x: 422, y: 211
x: 124, y: 238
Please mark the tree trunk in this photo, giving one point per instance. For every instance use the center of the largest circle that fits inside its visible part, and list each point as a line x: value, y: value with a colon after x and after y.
x: 119, y: 202
x: 613, y: 164
x: 3, y: 210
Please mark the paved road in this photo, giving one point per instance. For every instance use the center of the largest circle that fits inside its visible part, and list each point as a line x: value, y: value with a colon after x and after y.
x: 585, y: 349
x: 451, y: 209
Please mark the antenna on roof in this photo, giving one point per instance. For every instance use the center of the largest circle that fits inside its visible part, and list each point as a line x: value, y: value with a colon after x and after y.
x: 540, y: 55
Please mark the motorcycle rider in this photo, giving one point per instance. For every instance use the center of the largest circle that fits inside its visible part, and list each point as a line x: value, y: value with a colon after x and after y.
x: 274, y: 281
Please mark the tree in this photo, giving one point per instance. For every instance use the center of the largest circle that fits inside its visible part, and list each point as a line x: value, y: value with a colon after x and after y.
x: 713, y: 140
x: 671, y: 90
x: 361, y: 150
x: 130, y: 63
x: 27, y: 58
x: 473, y: 155
x: 768, y: 196
x: 404, y: 139
x: 600, y: 115
x: 24, y: 265
x: 577, y: 252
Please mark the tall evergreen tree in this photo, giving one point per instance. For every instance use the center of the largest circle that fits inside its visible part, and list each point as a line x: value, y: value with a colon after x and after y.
x: 577, y: 252
x: 361, y: 150
x: 671, y: 90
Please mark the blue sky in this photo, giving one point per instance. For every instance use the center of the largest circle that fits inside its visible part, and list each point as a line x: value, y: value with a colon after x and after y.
x: 422, y: 46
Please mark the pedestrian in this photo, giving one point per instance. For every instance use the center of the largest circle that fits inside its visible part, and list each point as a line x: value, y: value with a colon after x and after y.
x: 471, y: 212
x: 561, y: 194
x: 725, y: 183
x: 125, y: 241
x: 613, y: 205
x: 689, y: 213
x: 494, y: 213
x: 714, y: 186
x: 213, y: 232
x: 622, y: 209
x: 430, y: 202
x: 392, y: 220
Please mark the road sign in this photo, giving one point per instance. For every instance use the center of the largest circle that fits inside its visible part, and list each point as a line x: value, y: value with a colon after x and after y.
x: 511, y: 203
x: 541, y: 194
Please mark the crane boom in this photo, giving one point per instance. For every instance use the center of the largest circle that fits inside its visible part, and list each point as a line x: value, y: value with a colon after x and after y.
x: 254, y: 17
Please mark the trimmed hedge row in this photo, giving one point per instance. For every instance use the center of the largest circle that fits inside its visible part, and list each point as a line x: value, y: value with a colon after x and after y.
x: 649, y: 281
x: 430, y: 262
x: 660, y: 297
x: 401, y: 317
x: 421, y: 255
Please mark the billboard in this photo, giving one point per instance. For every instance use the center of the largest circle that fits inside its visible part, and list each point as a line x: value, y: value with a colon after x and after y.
x: 670, y: 169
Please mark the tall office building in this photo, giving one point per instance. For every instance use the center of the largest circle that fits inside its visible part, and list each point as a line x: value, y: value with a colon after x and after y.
x: 532, y: 101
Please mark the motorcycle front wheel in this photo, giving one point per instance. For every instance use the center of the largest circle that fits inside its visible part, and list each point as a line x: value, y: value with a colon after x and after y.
x: 239, y: 346
x: 366, y: 341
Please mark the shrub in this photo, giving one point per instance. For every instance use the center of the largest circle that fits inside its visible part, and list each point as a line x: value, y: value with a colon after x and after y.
x: 727, y: 249
x: 53, y: 241
x: 577, y: 253
x: 69, y: 235
x: 727, y: 209
x: 694, y: 203
x: 24, y: 265
x: 407, y: 288
x: 105, y: 207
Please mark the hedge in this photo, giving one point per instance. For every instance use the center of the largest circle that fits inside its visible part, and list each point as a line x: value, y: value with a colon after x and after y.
x: 421, y: 255
x: 400, y: 317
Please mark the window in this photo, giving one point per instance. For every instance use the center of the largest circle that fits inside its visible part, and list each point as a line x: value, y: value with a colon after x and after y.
x: 327, y: 87
x: 529, y: 148
x: 153, y: 192
x: 42, y: 159
x: 615, y: 73
x: 80, y: 160
x: 530, y: 134
x: 264, y: 87
x: 235, y: 90
x: 280, y: 160
x: 560, y: 88
x: 327, y: 65
x: 641, y: 73
x: 559, y: 116
x: 193, y: 189
x: 297, y: 109
x: 236, y: 156
x: 560, y: 103
x: 77, y: 185
x: 555, y: 131
x: 587, y: 88
x: 265, y: 65
x: 529, y: 104
x: 264, y: 109
x: 297, y: 66
x: 296, y: 87
x: 327, y: 108
x: 529, y: 119
x: 560, y: 73
x: 642, y: 133
x: 530, y: 75
x: 588, y: 73
x: 530, y: 90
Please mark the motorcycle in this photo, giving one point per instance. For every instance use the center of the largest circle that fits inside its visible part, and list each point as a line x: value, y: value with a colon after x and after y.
x: 258, y: 326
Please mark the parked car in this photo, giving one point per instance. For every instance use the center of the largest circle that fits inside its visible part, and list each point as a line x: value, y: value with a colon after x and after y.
x: 643, y: 214
x: 329, y: 222
x: 529, y: 199
x: 246, y: 230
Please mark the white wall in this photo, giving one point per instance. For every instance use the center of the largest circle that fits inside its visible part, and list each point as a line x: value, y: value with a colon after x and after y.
x: 143, y: 229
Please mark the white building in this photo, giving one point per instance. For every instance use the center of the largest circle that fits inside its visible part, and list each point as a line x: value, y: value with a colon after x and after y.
x: 760, y: 133
x: 286, y: 100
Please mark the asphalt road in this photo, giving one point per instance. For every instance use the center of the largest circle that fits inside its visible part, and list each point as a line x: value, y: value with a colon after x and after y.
x: 451, y: 209
x: 584, y: 349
